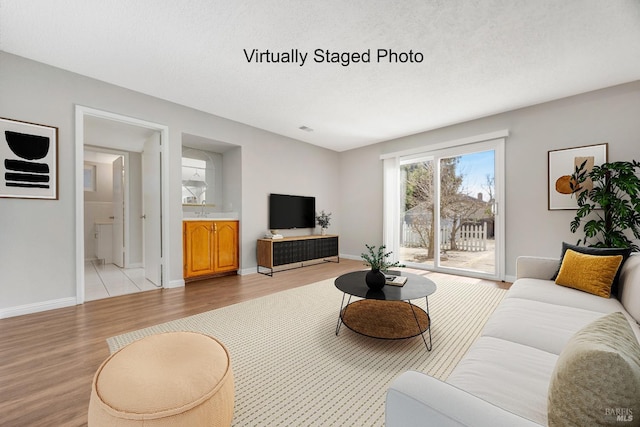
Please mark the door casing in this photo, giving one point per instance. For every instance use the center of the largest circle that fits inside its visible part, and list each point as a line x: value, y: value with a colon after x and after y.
x: 391, y: 212
x: 80, y: 113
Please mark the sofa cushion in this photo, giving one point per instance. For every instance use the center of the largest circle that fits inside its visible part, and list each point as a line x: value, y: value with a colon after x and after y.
x: 415, y: 399
x: 512, y: 376
x: 547, y: 291
x: 537, y: 324
x: 589, y: 273
x: 597, y: 376
x: 625, y: 252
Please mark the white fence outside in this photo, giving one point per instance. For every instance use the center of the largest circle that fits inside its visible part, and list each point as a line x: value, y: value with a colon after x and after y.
x: 469, y: 238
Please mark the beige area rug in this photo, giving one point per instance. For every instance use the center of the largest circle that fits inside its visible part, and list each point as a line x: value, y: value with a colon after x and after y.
x: 292, y: 370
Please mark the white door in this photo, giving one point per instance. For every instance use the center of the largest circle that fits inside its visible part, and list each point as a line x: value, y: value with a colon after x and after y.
x: 152, y: 218
x: 118, y: 212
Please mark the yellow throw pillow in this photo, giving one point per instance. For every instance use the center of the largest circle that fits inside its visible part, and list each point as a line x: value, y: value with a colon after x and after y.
x: 589, y: 273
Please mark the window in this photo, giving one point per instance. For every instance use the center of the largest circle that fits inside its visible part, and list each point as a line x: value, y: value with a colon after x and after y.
x: 89, y: 177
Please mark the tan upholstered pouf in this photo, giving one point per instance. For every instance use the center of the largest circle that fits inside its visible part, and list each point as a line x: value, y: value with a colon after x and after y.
x: 170, y: 379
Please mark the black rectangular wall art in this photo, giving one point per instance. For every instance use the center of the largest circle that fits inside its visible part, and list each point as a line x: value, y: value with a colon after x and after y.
x: 28, y: 160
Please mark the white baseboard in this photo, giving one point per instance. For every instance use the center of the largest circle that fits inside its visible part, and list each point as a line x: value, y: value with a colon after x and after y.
x: 37, y: 307
x: 247, y: 271
x: 175, y: 284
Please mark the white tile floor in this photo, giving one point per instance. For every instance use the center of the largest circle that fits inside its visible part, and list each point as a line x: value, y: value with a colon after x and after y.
x: 108, y: 280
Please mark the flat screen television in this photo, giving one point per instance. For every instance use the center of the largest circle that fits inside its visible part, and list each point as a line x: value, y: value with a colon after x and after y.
x: 286, y: 211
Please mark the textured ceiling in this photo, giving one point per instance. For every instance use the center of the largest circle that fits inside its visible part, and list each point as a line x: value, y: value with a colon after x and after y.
x: 479, y: 57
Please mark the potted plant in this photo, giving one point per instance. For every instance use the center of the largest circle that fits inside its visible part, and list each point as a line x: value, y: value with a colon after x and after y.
x: 614, y: 200
x: 323, y: 220
x: 377, y: 260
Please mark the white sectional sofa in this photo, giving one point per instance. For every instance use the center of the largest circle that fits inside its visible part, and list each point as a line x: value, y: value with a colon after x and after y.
x: 504, y: 378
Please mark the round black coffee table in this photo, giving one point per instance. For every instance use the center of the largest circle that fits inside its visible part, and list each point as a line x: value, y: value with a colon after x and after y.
x: 387, y: 313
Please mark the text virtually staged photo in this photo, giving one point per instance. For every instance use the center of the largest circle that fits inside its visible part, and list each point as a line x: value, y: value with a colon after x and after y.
x: 320, y: 56
x: 320, y: 214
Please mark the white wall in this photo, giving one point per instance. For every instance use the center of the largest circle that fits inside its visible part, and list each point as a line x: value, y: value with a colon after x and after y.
x: 283, y: 166
x: 609, y: 115
x: 360, y: 199
x: 37, y: 241
x: 232, y: 181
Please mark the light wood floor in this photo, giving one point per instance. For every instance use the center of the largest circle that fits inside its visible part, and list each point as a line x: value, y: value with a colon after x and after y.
x: 47, y: 360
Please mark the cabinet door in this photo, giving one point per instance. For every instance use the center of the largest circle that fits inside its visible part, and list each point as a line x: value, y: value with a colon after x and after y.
x: 283, y: 252
x: 327, y: 247
x: 199, y: 248
x: 226, y: 246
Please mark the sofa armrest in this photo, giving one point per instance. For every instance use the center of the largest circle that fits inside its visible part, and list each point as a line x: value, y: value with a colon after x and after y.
x: 417, y: 400
x: 629, y: 287
x: 534, y: 267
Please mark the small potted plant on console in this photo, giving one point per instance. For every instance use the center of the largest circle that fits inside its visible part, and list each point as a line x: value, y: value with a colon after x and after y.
x: 323, y: 220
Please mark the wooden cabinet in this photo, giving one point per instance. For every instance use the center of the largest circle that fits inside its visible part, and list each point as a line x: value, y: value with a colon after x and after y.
x: 225, y: 239
x: 198, y: 248
x: 209, y: 248
x: 296, y: 250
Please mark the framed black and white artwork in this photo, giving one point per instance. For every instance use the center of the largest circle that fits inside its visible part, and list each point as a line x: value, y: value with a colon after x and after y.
x: 28, y: 160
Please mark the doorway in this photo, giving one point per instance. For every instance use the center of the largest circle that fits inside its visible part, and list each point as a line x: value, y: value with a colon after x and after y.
x: 449, y: 223
x: 133, y: 214
x: 443, y: 209
x: 113, y: 222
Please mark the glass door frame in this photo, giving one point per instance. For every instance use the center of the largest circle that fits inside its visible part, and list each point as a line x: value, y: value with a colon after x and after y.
x: 392, y: 220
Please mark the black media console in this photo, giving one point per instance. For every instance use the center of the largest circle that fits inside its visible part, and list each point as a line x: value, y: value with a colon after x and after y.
x: 273, y: 253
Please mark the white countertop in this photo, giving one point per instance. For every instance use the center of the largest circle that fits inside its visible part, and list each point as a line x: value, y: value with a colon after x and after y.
x: 211, y: 216
x: 210, y: 219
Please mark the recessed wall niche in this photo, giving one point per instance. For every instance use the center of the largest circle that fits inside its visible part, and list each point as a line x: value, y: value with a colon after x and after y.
x: 210, y: 175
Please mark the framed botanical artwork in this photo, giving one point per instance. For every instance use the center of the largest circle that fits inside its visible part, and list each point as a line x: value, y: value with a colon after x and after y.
x: 28, y: 160
x: 562, y: 164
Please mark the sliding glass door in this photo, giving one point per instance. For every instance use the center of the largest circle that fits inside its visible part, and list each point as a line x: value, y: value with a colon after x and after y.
x: 417, y: 207
x: 447, y: 217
